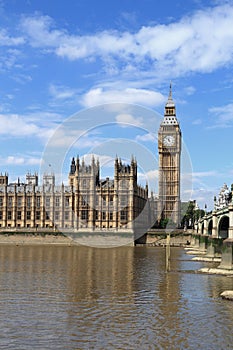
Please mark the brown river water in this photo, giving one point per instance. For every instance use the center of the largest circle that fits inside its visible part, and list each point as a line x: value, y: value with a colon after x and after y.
x: 74, y: 297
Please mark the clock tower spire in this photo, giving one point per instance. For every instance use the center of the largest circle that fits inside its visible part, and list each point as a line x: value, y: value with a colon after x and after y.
x: 169, y: 146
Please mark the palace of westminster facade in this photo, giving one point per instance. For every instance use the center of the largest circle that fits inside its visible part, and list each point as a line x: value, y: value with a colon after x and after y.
x: 91, y: 203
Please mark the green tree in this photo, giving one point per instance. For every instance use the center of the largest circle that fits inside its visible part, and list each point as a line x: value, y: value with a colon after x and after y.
x: 163, y: 223
x: 191, y: 215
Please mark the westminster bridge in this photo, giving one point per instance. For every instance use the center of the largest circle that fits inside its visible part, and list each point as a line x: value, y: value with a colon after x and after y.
x: 218, y: 223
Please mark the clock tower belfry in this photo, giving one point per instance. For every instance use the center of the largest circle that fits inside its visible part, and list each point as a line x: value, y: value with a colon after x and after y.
x: 169, y: 147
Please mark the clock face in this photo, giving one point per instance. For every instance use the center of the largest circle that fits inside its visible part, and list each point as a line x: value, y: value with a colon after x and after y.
x: 169, y: 140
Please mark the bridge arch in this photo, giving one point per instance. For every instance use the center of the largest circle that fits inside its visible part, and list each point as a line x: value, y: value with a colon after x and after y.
x: 210, y: 227
x: 223, y: 227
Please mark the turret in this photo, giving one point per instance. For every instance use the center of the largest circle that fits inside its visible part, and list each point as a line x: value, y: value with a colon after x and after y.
x: 4, y: 179
x: 31, y: 179
x: 49, y: 179
x: 72, y: 167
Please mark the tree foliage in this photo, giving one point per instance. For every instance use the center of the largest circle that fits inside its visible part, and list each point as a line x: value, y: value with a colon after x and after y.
x: 191, y: 215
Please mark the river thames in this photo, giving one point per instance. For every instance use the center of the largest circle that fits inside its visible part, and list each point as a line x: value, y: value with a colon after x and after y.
x: 61, y: 297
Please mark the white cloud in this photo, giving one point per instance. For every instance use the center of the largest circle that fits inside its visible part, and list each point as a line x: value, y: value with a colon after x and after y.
x: 104, y: 160
x: 196, y: 176
x: 40, y: 31
x: 22, y: 78
x: 36, y: 124
x: 145, y: 97
x: 204, y: 196
x: 9, y: 58
x: 201, y: 190
x: 151, y: 178
x: 190, y: 90
x: 129, y: 119
x: 20, y: 160
x: 146, y: 137
x: 200, y: 42
x: 151, y: 175
x: 201, y: 174
x: 197, y: 121
x: 61, y: 92
x: 223, y: 115
x: 88, y: 142
x: 65, y: 137
x: 7, y: 40
x: 15, y: 125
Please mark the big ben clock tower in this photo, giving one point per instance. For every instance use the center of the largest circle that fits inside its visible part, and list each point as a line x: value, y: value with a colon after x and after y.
x: 169, y: 145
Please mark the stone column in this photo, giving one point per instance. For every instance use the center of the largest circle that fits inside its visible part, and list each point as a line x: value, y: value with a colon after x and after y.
x: 14, y: 207
x: 199, y: 227
x: 42, y: 206
x: 227, y: 255
x: 91, y: 195
x: 4, y: 207
x: 130, y: 204
x: 52, y: 207
x: 62, y: 206
x: 204, y: 237
x: 227, y: 249
x: 230, y: 229
x: 23, y: 218
x: 76, y: 205
x: 205, y: 226
x: 33, y: 206
x: 214, y: 228
x: 195, y: 226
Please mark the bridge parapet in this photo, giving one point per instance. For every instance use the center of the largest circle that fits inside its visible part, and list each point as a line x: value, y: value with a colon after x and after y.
x: 222, y: 211
x: 208, y: 216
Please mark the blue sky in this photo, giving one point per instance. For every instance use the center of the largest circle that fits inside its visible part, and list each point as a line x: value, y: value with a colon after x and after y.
x: 59, y: 59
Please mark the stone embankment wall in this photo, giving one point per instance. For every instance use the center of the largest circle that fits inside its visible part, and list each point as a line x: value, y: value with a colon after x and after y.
x: 31, y: 239
x: 177, y: 241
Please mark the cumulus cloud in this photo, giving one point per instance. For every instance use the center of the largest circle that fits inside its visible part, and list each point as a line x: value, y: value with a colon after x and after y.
x: 151, y: 178
x: 8, y: 40
x: 20, y: 126
x: 61, y: 92
x: 200, y: 42
x: 89, y: 142
x: 147, y: 137
x: 40, y: 32
x: 15, y: 125
x: 65, y: 137
x: 151, y: 175
x: 104, y: 160
x: 129, y: 119
x: 145, y: 97
x: 20, y: 160
x: 10, y: 52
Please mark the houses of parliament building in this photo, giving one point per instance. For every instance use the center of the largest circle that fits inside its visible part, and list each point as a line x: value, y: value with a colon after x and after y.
x: 86, y: 203
x: 91, y: 203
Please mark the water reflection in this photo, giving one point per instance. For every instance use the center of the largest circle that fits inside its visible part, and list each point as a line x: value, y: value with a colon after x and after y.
x: 96, y: 272
x: 121, y: 298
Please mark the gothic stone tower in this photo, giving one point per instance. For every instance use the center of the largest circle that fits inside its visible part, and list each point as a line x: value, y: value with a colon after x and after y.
x: 169, y: 146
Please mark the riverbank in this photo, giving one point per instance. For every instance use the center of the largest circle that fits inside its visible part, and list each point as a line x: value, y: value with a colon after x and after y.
x: 60, y: 239
x: 32, y: 239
